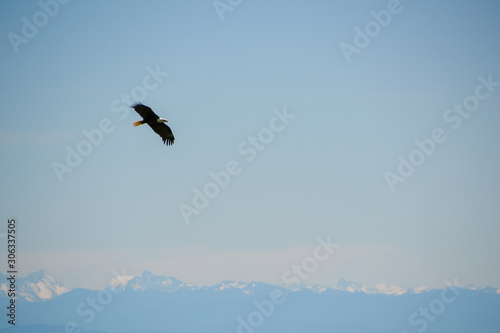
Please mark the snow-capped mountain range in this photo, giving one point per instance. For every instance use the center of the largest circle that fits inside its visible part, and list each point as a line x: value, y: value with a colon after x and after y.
x: 150, y: 304
x: 149, y: 281
x: 36, y: 287
x: 40, y: 286
x: 381, y: 288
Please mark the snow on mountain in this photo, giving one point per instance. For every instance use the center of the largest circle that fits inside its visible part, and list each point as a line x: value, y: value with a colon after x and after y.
x: 421, y: 289
x: 230, y: 285
x: 231, y: 306
x: 121, y: 281
x: 150, y: 282
x: 36, y: 287
x: 251, y: 288
x: 381, y: 288
x: 316, y: 288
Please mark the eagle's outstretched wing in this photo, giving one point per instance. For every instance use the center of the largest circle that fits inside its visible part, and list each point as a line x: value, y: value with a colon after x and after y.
x: 145, y: 112
x: 165, y: 132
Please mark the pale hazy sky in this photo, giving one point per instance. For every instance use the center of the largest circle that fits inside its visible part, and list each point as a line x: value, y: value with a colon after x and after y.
x: 318, y: 172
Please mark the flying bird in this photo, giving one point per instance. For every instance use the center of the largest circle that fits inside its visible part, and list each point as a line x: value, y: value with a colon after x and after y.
x: 155, y: 122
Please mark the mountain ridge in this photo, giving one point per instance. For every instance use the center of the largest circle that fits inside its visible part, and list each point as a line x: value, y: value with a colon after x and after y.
x: 270, y: 309
x: 35, y: 287
x: 40, y: 286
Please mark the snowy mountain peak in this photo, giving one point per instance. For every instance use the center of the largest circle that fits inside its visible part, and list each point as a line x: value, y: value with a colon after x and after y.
x: 37, y: 276
x: 381, y: 288
x: 230, y: 284
x: 37, y: 287
x: 148, y: 281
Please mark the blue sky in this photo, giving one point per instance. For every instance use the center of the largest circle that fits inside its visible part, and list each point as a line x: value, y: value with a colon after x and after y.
x: 323, y: 174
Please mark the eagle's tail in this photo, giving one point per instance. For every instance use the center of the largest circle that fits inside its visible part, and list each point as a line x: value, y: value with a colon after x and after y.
x: 138, y: 123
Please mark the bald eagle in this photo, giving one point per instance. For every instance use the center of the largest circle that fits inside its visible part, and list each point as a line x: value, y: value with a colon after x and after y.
x: 155, y: 122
